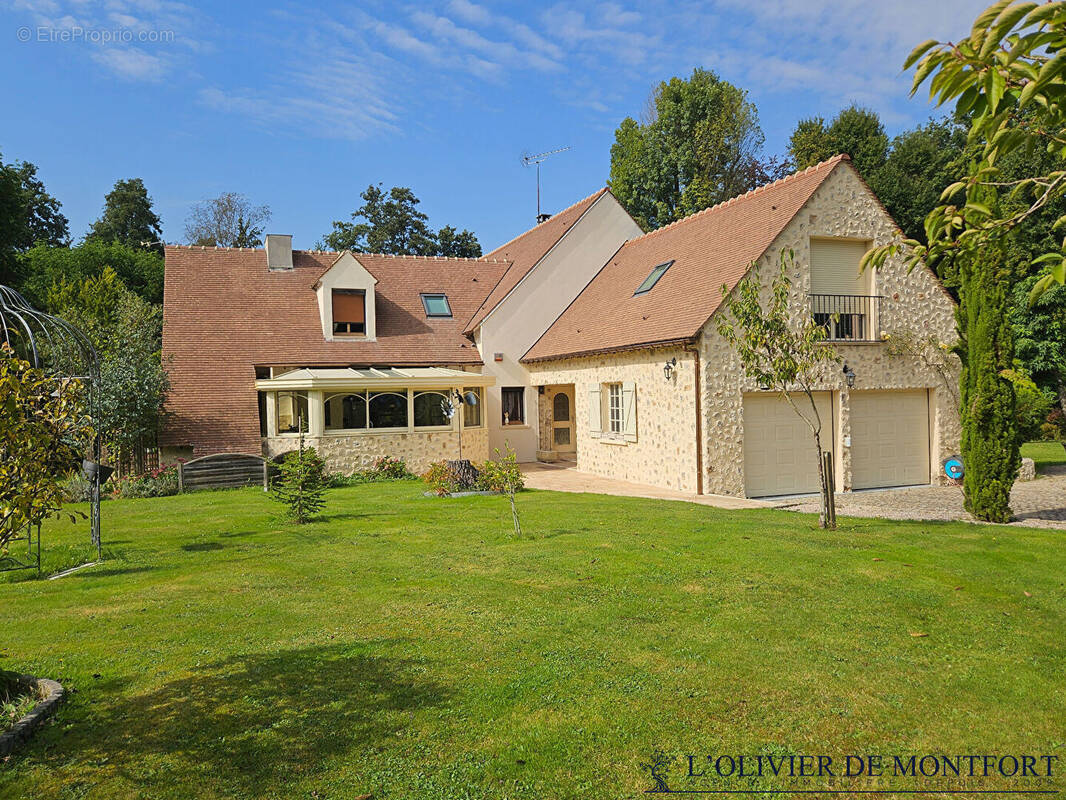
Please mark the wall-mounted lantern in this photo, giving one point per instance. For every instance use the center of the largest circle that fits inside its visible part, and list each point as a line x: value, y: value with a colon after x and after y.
x: 849, y: 376
x: 669, y: 367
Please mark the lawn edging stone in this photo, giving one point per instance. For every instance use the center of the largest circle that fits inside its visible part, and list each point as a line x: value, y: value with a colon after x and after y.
x: 53, y: 692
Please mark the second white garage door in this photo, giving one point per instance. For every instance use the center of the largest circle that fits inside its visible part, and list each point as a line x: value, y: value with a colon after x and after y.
x: 779, y: 455
x: 889, y: 439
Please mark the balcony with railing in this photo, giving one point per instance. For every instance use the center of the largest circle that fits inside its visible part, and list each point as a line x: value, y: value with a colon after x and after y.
x: 847, y: 317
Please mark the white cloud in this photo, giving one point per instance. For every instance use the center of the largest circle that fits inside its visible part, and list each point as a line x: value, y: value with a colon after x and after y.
x: 137, y: 40
x: 131, y: 64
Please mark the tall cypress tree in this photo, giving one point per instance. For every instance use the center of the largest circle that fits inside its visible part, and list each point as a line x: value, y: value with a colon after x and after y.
x: 990, y: 446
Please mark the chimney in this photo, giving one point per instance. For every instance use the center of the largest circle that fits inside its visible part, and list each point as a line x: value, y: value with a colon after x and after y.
x: 543, y: 218
x: 279, y: 251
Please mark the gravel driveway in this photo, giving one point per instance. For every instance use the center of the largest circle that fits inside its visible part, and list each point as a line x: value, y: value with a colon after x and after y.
x: 1039, y: 503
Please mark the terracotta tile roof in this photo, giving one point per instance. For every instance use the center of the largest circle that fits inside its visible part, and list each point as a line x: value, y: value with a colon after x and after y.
x: 224, y: 313
x: 527, y: 250
x: 710, y: 248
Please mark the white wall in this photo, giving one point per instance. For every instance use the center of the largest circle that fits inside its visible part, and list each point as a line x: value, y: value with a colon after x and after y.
x: 535, y: 303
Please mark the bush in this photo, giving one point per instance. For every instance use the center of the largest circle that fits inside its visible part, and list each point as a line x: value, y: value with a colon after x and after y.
x: 1031, y: 405
x: 385, y: 468
x: 162, y: 482
x: 1054, y: 428
x: 442, y: 479
x: 77, y: 488
x: 388, y: 468
x: 301, y: 483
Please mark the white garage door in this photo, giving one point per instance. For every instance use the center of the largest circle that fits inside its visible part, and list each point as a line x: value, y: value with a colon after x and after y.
x: 889, y: 439
x: 779, y: 455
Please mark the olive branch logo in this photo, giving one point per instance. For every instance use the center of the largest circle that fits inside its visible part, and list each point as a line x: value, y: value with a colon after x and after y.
x: 657, y: 769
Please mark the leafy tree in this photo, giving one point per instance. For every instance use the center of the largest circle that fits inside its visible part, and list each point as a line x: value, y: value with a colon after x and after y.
x: 457, y: 244
x: 1039, y: 330
x: 781, y: 355
x: 393, y: 225
x: 1031, y: 405
x: 1008, y: 77
x: 28, y: 215
x: 920, y: 164
x: 126, y: 332
x: 811, y: 143
x: 990, y: 445
x: 43, y: 433
x: 128, y: 217
x: 301, y: 483
x: 229, y: 220
x: 141, y: 270
x: 696, y: 149
x: 855, y: 131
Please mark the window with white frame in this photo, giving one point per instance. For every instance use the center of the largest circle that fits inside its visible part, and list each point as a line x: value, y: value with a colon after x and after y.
x: 291, y: 412
x: 388, y: 409
x: 472, y: 410
x: 345, y: 412
x: 432, y: 410
x: 513, y: 404
x: 615, y: 409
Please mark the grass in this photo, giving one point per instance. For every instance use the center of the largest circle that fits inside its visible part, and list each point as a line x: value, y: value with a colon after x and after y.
x: 16, y: 701
x: 1045, y: 454
x: 411, y: 647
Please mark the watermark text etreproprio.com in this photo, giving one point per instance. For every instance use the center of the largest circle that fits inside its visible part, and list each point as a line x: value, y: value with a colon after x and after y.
x: 76, y: 33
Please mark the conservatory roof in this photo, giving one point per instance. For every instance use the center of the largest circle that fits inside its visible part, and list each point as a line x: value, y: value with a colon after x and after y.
x: 384, y: 378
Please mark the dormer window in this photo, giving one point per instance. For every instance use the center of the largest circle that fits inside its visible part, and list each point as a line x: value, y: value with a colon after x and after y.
x: 652, y: 279
x: 436, y: 305
x: 349, y: 311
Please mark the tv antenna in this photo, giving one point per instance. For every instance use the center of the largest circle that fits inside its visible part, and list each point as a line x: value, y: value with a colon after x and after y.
x: 528, y: 161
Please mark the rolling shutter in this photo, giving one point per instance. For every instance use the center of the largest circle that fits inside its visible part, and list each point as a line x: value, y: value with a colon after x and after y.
x: 835, y: 267
x: 349, y: 306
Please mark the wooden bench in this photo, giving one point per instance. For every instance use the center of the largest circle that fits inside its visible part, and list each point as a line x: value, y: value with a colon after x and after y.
x: 223, y: 471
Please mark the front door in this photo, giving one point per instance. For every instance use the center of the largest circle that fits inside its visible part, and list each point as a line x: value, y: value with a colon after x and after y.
x: 563, y: 422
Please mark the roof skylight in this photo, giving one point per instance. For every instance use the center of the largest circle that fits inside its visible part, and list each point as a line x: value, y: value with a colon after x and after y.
x: 652, y: 278
x: 436, y: 305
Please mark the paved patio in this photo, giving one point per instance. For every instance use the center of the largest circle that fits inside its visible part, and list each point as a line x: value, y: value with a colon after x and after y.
x: 563, y: 476
x: 1039, y: 503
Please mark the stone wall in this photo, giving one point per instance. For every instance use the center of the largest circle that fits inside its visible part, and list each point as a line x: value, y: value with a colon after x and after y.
x: 664, y: 453
x: 348, y: 453
x: 914, y: 306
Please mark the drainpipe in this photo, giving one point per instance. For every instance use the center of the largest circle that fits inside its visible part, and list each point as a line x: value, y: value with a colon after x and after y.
x: 699, y: 420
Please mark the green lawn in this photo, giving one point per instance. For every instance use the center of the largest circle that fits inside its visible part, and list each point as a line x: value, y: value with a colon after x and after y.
x: 410, y: 647
x: 1045, y: 454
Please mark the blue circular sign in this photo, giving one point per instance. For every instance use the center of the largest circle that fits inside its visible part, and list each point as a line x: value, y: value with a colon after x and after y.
x: 953, y: 468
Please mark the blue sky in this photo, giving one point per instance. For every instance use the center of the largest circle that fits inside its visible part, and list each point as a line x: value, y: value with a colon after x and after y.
x: 300, y: 106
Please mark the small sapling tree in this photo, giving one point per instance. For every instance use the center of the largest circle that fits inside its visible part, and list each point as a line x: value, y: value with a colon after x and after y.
x: 781, y: 355
x: 301, y: 483
x: 504, y: 475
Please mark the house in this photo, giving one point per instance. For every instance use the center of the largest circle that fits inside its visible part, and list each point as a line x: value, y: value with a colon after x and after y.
x: 701, y: 426
x: 583, y: 339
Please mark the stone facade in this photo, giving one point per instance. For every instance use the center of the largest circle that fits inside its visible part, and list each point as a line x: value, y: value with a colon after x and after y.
x: 914, y: 306
x: 348, y: 453
x: 664, y: 452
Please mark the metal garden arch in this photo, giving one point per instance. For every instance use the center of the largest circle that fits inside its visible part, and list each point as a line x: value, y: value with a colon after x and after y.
x: 51, y: 343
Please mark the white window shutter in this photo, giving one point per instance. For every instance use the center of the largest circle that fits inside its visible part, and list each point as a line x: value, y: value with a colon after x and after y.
x: 629, y: 407
x: 595, y: 412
